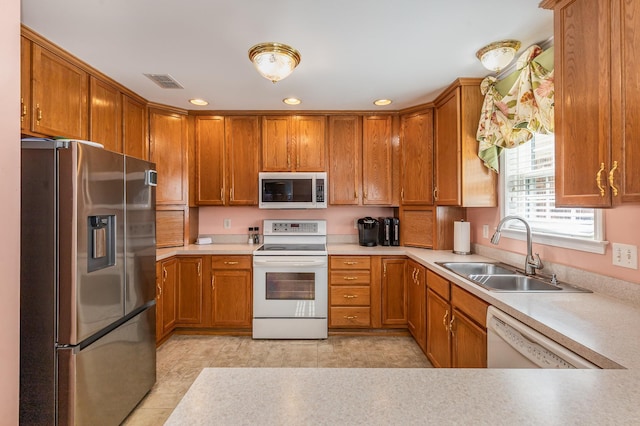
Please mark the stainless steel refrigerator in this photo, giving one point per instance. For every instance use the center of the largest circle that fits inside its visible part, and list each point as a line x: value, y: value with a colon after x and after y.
x: 87, y: 302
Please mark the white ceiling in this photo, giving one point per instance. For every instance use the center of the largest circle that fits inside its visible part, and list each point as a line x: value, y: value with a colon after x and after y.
x: 353, y: 51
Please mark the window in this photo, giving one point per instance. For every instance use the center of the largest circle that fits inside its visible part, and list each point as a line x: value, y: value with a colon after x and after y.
x: 528, y: 182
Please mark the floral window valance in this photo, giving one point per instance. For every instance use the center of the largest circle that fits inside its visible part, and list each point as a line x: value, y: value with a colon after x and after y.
x: 509, y: 120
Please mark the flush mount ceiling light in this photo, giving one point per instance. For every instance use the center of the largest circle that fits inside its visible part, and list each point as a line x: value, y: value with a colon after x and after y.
x: 292, y: 101
x: 274, y: 61
x: 496, y: 56
x: 382, y: 102
x: 199, y: 102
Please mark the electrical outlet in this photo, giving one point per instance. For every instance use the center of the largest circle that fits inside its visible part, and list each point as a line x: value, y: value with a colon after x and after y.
x: 485, y: 231
x: 625, y: 255
x: 227, y: 223
x: 355, y: 223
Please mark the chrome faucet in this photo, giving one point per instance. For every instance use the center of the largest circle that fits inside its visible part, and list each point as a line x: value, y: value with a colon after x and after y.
x: 531, y: 263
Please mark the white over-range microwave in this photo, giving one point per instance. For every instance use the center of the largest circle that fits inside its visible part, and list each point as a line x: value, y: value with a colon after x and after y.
x: 291, y: 190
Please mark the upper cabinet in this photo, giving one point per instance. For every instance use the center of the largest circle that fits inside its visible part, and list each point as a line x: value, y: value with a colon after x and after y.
x: 104, y: 115
x: 361, y: 154
x: 597, y: 101
x: 242, y: 144
x: 134, y: 127
x: 59, y: 96
x: 293, y: 143
x: 461, y: 179
x: 416, y: 142
x: 25, y: 84
x: 168, y: 133
x: 210, y: 164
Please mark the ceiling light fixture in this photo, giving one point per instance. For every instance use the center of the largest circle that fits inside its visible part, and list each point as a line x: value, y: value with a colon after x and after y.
x: 274, y: 61
x: 496, y: 56
x: 382, y: 102
x: 199, y: 102
x: 292, y: 101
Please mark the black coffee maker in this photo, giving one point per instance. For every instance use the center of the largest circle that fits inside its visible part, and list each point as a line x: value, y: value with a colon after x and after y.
x: 368, y: 231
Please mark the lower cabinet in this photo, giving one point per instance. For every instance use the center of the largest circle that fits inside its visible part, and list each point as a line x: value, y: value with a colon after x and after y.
x: 350, y: 292
x: 417, y: 303
x: 231, y: 291
x: 456, y: 325
x: 190, y: 291
x: 394, y: 292
x: 166, y: 282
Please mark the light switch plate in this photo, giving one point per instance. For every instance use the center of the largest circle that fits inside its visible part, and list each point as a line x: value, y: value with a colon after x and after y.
x: 227, y: 223
x: 625, y: 255
x: 485, y: 231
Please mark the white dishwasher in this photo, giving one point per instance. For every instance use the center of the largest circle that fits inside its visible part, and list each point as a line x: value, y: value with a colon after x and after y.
x: 512, y: 344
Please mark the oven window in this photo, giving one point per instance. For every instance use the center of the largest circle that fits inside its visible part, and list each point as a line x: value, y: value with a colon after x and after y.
x: 291, y: 286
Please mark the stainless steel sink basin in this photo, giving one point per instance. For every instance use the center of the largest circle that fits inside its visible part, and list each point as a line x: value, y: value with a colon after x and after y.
x: 513, y: 283
x: 477, y: 268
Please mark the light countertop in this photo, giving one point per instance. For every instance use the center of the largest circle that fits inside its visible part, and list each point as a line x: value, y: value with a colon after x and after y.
x: 597, y: 327
x: 362, y: 396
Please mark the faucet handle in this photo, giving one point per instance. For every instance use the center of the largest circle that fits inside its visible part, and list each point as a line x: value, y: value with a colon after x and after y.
x: 536, y: 263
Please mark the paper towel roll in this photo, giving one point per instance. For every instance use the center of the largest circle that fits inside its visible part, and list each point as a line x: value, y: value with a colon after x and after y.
x: 461, y: 237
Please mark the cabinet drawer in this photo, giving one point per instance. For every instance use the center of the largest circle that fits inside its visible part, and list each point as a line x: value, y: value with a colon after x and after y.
x: 350, y: 262
x: 349, y: 316
x: 351, y: 277
x: 473, y: 307
x: 438, y: 284
x: 231, y: 262
x: 350, y: 296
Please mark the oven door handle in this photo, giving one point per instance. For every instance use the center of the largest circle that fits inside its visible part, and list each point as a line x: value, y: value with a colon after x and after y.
x: 289, y: 262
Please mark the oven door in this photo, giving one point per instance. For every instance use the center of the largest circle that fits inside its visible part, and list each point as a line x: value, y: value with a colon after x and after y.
x: 290, y: 287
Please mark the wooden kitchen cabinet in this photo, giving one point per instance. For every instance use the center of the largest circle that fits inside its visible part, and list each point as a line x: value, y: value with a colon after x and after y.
x: 456, y: 325
x: 350, y: 292
x: 231, y: 291
x: 189, y: 291
x: 377, y: 160
x: 345, y: 160
x: 25, y: 84
x: 294, y: 143
x: 394, y: 292
x: 417, y: 303
x: 166, y: 307
x: 416, y: 141
x: 210, y: 160
x: 242, y: 144
x: 461, y: 179
x: 597, y: 102
x: 105, y: 115
x: 135, y: 140
x: 59, y: 96
x: 429, y: 226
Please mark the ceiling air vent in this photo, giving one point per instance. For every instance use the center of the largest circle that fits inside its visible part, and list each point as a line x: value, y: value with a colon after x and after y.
x: 165, y: 81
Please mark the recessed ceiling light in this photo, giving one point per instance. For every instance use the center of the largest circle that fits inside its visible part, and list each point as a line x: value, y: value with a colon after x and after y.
x: 292, y: 101
x: 382, y: 102
x: 199, y: 102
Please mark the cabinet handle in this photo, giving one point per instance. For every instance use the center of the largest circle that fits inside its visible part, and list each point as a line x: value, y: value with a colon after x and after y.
x: 350, y: 263
x: 453, y: 319
x: 366, y: 196
x: 198, y: 269
x: 230, y: 262
x: 384, y: 270
x: 212, y: 281
x: 402, y: 194
x: 615, y: 190
x: 23, y: 109
x: 350, y: 278
x: 355, y: 195
x: 164, y: 274
x: 222, y: 194
x: 231, y: 194
x: 435, y: 193
x: 38, y: 113
x: 598, y: 176
x: 444, y: 320
x: 350, y: 296
x: 350, y: 317
x: 417, y: 275
x: 159, y: 290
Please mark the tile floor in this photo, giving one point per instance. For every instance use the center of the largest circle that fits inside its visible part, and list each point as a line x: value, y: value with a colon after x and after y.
x: 182, y: 357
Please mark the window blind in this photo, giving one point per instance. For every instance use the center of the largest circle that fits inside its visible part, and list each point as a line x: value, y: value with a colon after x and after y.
x: 529, y: 191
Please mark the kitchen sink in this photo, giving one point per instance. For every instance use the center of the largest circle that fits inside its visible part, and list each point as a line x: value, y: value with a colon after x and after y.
x: 505, y: 278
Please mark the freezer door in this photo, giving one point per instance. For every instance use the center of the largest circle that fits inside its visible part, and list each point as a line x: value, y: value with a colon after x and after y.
x: 140, y: 233
x: 102, y: 383
x: 90, y: 241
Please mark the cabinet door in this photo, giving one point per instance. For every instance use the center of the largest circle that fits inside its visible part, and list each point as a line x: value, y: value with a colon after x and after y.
x: 231, y: 304
x: 25, y: 84
x: 310, y: 142
x: 417, y: 159
x: 276, y: 141
x: 134, y: 128
x: 210, y: 163
x: 59, y: 97
x: 417, y: 299
x: 242, y: 140
x: 345, y: 153
x: 159, y: 303
x: 168, y: 132
x: 377, y: 160
x: 626, y: 106
x: 394, y: 292
x: 447, y: 151
x: 583, y: 115
x: 168, y: 294
x: 438, y: 335
x: 104, y: 115
x: 189, y: 291
x: 469, y: 343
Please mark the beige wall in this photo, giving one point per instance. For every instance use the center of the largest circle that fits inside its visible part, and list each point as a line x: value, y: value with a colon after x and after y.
x: 10, y: 213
